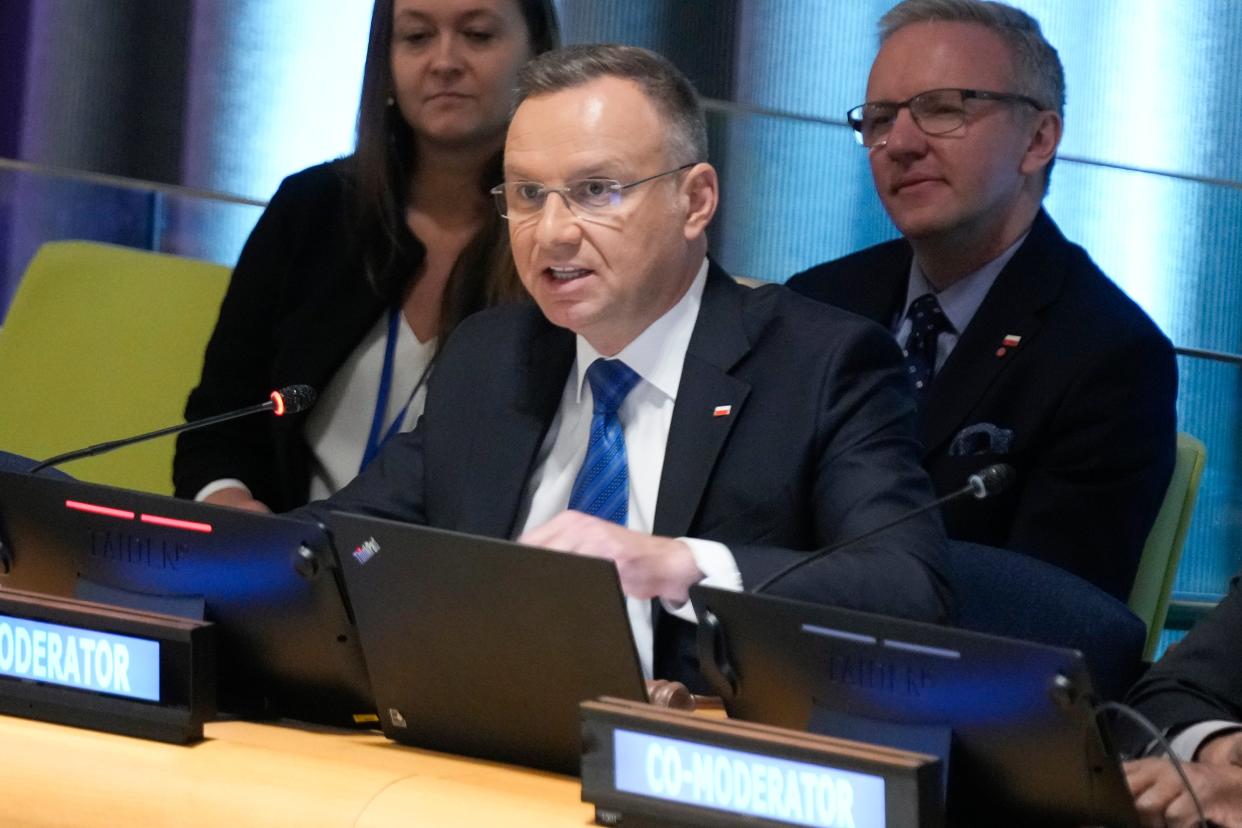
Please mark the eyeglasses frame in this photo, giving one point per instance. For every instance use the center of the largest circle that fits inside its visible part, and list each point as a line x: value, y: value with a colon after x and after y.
x: 616, y: 187
x: 854, y: 115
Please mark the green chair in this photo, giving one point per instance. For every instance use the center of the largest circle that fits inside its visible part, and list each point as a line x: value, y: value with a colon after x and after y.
x: 1149, y: 599
x: 102, y: 342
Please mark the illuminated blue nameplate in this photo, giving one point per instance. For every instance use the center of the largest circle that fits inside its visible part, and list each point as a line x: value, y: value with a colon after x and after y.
x: 105, y: 667
x: 75, y: 657
x: 750, y: 784
x: 645, y: 765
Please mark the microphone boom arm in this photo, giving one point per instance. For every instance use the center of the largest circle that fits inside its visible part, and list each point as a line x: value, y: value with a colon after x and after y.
x: 984, y: 483
x: 100, y: 448
x: 290, y: 399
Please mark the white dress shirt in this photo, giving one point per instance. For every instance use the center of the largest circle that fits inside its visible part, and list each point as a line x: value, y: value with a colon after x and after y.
x: 339, y: 425
x: 1186, y: 744
x: 657, y: 356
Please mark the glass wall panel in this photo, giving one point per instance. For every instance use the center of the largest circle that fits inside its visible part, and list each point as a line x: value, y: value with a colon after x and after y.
x: 1151, y: 83
x: 38, y: 207
x: 794, y: 193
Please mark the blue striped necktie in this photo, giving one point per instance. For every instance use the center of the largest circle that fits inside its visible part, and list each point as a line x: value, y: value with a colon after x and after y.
x: 602, y: 487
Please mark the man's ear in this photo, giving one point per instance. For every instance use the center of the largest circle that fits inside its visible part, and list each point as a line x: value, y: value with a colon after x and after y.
x: 1044, y: 142
x: 701, y: 191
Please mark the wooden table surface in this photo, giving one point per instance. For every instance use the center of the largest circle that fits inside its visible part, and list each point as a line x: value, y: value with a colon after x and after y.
x: 247, y: 774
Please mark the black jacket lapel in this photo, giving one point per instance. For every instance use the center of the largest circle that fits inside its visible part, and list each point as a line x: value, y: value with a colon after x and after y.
x: 696, y: 434
x: 1028, y: 283
x: 521, y: 416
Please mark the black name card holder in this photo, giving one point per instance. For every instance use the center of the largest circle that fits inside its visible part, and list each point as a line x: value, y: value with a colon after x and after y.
x: 106, y: 668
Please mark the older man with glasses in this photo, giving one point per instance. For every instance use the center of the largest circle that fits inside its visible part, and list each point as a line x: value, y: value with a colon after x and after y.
x: 1017, y: 346
x: 647, y: 409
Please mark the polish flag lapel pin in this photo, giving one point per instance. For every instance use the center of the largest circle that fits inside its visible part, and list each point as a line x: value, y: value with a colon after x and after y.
x: 1010, y: 341
x: 722, y: 411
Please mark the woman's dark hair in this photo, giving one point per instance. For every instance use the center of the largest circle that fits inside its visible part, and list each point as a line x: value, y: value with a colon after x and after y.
x: 381, y: 168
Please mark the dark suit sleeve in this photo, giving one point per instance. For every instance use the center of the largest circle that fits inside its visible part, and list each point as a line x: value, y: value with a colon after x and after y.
x: 866, y: 473
x: 1091, y: 495
x: 237, y: 366
x: 391, y: 487
x: 1200, y: 678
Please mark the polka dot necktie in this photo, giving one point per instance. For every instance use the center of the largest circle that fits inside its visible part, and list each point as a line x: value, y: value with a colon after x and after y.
x: 927, y: 322
x: 602, y: 485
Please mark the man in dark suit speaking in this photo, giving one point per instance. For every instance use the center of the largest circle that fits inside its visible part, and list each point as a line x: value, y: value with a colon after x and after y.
x: 1019, y: 348
x: 647, y: 408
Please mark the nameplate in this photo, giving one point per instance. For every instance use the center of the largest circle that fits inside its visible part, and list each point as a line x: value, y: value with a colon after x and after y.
x: 647, y: 766
x: 120, y: 665
x: 98, y: 666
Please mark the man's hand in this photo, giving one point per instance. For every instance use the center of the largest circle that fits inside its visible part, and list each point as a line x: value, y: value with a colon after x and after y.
x: 649, y: 566
x: 237, y: 498
x: 1222, y: 750
x: 1162, y: 799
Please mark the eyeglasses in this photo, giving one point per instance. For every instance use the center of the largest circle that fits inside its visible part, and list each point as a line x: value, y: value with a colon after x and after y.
x: 520, y: 200
x: 936, y: 112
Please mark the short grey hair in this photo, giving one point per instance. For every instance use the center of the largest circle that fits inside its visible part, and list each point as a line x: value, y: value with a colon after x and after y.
x: 668, y: 90
x: 1036, y: 66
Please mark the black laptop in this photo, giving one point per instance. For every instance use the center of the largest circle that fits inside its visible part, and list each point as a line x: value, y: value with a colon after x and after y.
x: 286, y: 644
x: 485, y: 647
x: 1016, y: 718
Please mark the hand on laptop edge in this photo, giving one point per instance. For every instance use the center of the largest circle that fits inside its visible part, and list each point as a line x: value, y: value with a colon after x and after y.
x: 237, y: 498
x: 1225, y: 749
x: 649, y: 566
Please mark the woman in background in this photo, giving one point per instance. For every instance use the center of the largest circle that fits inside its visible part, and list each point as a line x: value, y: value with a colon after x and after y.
x: 359, y: 268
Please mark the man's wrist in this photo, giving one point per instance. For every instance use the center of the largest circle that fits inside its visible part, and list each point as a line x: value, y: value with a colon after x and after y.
x: 715, y: 566
x: 220, y: 485
x: 1221, y: 747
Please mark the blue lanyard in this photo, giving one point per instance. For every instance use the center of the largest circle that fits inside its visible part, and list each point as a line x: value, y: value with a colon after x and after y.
x: 376, y: 441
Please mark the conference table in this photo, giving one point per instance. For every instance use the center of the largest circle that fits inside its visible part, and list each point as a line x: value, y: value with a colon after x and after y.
x: 258, y: 774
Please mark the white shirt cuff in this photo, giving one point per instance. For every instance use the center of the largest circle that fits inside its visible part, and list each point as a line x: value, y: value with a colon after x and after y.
x: 1187, y: 743
x: 216, y: 485
x: 719, y: 570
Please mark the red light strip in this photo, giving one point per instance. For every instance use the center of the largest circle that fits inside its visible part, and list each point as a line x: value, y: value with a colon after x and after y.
x: 279, y: 400
x: 175, y: 523
x: 99, y: 510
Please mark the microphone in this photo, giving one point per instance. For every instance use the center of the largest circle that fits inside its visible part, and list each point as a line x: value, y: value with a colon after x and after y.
x: 990, y: 480
x: 987, y: 482
x: 292, y: 399
x: 288, y: 400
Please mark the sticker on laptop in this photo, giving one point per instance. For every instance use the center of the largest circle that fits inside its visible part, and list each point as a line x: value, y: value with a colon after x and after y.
x: 367, y: 550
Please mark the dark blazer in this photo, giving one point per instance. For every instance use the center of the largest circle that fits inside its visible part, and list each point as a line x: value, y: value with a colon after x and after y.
x: 297, y: 306
x: 1085, y: 400
x: 1200, y: 677
x: 818, y: 447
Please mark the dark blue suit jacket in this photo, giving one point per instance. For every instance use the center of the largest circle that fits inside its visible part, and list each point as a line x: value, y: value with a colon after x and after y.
x: 818, y: 447
x: 1087, y: 396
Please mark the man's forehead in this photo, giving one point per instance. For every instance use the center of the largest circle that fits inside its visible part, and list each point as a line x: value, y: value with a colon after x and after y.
x: 924, y: 56
x: 607, y: 121
x: 549, y: 167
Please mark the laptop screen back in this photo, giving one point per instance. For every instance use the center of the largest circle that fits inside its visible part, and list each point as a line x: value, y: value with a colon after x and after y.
x: 286, y: 644
x: 1025, y: 743
x: 484, y: 647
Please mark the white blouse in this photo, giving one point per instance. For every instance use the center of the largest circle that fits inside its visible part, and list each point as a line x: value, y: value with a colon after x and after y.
x: 340, y: 423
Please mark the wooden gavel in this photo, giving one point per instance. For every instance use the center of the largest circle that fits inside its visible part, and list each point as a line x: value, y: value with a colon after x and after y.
x: 676, y: 696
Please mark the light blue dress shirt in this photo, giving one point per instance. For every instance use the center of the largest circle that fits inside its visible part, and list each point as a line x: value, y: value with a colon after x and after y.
x: 959, y: 301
